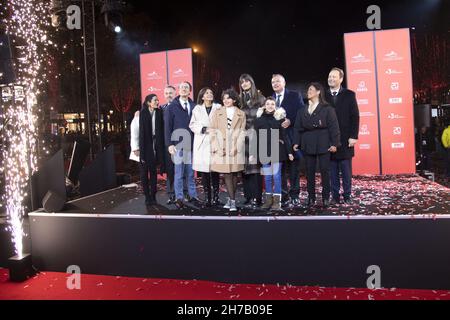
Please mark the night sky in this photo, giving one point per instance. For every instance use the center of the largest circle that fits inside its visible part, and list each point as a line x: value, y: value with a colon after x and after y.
x: 300, y: 39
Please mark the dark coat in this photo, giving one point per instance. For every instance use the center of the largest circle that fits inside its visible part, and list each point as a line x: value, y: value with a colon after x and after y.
x: 347, y: 112
x: 317, y: 132
x: 175, y: 117
x: 164, y: 107
x: 168, y: 159
x: 272, y: 123
x: 292, y: 103
x: 146, y: 139
x: 250, y: 109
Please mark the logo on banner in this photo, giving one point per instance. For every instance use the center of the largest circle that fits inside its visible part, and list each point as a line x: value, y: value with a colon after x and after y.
x: 359, y: 58
x: 392, y: 56
x: 397, y: 131
x: 366, y: 114
x: 362, y: 87
x: 153, y: 89
x: 398, y: 145
x: 363, y: 102
x: 395, y: 100
x: 364, y: 146
x: 179, y: 73
x: 153, y: 76
x: 394, y: 116
x: 364, y: 130
x: 393, y: 71
x: 361, y: 71
x: 395, y: 86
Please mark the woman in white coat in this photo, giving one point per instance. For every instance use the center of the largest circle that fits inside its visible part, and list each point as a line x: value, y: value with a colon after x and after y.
x: 200, y: 126
x: 134, y: 139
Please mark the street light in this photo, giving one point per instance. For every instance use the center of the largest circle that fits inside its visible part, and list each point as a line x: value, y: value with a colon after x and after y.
x: 112, y: 11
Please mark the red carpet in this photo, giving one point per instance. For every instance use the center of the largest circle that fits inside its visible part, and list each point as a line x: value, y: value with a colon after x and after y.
x: 52, y: 286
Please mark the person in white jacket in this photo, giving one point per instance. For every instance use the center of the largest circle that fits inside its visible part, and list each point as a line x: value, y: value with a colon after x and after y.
x: 134, y: 141
x: 200, y: 126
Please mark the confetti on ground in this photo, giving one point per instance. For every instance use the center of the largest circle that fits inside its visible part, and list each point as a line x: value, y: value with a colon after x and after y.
x: 108, y: 287
x: 385, y: 195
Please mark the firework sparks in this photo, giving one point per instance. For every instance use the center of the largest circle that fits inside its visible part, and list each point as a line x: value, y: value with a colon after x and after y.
x: 26, y: 23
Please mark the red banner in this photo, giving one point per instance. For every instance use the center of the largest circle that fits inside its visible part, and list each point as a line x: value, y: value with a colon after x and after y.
x: 361, y: 78
x: 153, y: 74
x: 159, y: 69
x: 180, y: 67
x: 395, y: 101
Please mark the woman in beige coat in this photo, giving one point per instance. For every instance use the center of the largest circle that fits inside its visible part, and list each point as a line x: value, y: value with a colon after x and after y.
x: 228, y: 143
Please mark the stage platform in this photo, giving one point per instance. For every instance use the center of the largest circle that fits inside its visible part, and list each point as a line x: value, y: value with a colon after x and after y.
x: 399, y: 223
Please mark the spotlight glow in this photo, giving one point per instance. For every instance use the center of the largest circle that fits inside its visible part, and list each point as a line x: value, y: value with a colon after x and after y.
x: 27, y: 22
x: 117, y: 29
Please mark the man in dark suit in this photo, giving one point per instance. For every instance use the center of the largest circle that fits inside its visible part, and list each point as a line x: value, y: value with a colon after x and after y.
x: 179, y: 139
x: 292, y: 102
x: 346, y: 107
x: 169, y: 95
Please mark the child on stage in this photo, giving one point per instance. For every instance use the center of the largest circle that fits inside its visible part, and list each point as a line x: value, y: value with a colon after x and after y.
x: 274, y: 147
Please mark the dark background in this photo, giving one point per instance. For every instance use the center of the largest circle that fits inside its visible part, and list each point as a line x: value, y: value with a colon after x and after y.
x: 300, y: 39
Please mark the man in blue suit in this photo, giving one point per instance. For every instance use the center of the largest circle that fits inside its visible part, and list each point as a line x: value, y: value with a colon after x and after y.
x: 179, y: 140
x: 292, y: 102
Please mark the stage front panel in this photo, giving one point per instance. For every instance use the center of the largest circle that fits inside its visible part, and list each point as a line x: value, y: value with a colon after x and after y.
x: 361, y: 78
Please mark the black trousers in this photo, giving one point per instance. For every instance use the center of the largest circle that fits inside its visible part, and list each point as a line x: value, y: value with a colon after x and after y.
x: 170, y: 175
x: 290, y: 171
x: 344, y: 167
x: 252, y: 186
x: 210, y: 179
x: 148, y: 184
x: 324, y: 164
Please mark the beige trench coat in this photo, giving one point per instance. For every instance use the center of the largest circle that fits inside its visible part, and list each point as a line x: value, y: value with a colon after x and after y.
x: 227, y: 146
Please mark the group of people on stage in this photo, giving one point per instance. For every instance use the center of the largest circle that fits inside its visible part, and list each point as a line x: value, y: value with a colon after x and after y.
x: 260, y: 138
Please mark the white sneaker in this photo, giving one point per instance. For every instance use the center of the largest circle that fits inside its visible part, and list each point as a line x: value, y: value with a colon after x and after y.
x: 233, y: 206
x: 228, y: 204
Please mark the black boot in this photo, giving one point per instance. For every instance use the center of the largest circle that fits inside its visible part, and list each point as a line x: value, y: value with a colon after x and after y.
x: 149, y: 200
x: 153, y: 197
x: 208, y: 198
x: 216, y: 199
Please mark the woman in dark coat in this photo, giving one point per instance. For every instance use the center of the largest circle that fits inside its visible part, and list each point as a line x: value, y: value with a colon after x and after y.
x: 151, y: 146
x: 251, y: 101
x: 317, y: 134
